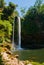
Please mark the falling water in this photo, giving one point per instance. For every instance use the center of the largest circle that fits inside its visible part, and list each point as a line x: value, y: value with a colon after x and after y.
x: 13, y: 43
x: 19, y: 33
x: 18, y: 47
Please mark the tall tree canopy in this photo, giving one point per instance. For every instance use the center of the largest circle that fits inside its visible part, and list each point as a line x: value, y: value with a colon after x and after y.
x: 34, y: 19
x: 7, y: 15
x: 2, y: 3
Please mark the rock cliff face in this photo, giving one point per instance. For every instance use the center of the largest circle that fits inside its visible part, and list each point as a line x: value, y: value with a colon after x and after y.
x: 33, y: 41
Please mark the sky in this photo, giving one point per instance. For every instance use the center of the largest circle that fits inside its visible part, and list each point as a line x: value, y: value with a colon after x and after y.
x: 22, y: 4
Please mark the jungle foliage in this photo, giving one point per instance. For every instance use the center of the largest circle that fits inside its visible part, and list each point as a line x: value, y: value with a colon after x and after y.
x: 7, y: 15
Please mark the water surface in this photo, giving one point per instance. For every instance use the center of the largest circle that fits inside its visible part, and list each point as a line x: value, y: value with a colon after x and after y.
x: 32, y: 55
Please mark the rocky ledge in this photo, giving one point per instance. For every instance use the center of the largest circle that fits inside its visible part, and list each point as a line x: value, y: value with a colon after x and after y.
x: 7, y: 58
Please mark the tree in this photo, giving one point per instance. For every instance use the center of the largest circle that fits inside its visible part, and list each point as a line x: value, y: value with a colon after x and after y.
x: 34, y: 18
x: 7, y: 15
x: 2, y: 3
x: 9, y: 11
x: 33, y: 27
x: 29, y: 25
x: 22, y: 11
x: 5, y: 29
x: 38, y: 3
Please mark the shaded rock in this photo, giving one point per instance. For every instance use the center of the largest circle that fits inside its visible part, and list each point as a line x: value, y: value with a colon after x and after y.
x: 17, y: 56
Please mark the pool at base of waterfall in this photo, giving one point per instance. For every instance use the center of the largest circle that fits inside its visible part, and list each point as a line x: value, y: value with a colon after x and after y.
x: 36, y: 55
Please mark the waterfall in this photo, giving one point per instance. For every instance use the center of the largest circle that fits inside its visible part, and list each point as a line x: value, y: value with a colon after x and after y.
x: 19, y: 33
x: 13, y: 43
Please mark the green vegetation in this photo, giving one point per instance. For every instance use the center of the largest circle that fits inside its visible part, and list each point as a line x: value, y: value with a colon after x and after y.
x: 34, y: 19
x: 5, y: 29
x: 33, y: 63
x: 33, y: 26
x: 7, y: 14
x: 1, y: 62
x: 32, y: 30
